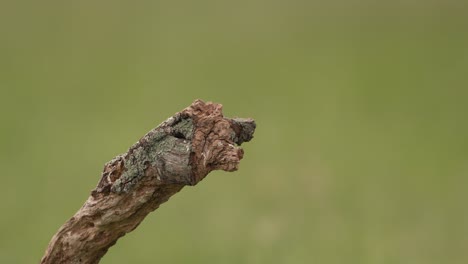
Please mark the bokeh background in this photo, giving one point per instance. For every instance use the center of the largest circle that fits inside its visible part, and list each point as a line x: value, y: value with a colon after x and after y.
x: 361, y: 150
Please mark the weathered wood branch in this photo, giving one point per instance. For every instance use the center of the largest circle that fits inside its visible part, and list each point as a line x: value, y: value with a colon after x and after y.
x: 181, y: 151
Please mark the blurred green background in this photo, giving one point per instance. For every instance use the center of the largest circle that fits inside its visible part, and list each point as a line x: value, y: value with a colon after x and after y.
x: 361, y: 150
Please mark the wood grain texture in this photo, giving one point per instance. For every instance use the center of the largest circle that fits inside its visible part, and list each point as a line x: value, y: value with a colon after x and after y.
x: 181, y: 151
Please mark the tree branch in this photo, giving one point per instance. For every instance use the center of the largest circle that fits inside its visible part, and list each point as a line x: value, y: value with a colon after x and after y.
x: 181, y: 151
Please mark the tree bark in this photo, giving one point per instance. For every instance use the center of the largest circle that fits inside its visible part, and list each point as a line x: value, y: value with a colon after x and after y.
x: 181, y: 151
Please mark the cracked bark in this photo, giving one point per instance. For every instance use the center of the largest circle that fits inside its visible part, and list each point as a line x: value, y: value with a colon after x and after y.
x: 180, y: 151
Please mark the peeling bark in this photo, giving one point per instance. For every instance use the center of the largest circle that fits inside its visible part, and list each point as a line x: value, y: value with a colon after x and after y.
x: 181, y: 151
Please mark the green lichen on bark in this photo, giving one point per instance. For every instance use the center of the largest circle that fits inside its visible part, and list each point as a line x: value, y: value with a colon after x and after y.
x: 159, y: 149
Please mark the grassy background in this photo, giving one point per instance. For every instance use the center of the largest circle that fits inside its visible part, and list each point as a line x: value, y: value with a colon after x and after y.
x: 361, y: 150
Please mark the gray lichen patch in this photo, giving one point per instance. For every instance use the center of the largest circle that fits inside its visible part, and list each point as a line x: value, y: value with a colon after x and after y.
x: 183, y: 128
x: 134, y: 170
x: 167, y: 149
x: 245, y: 128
